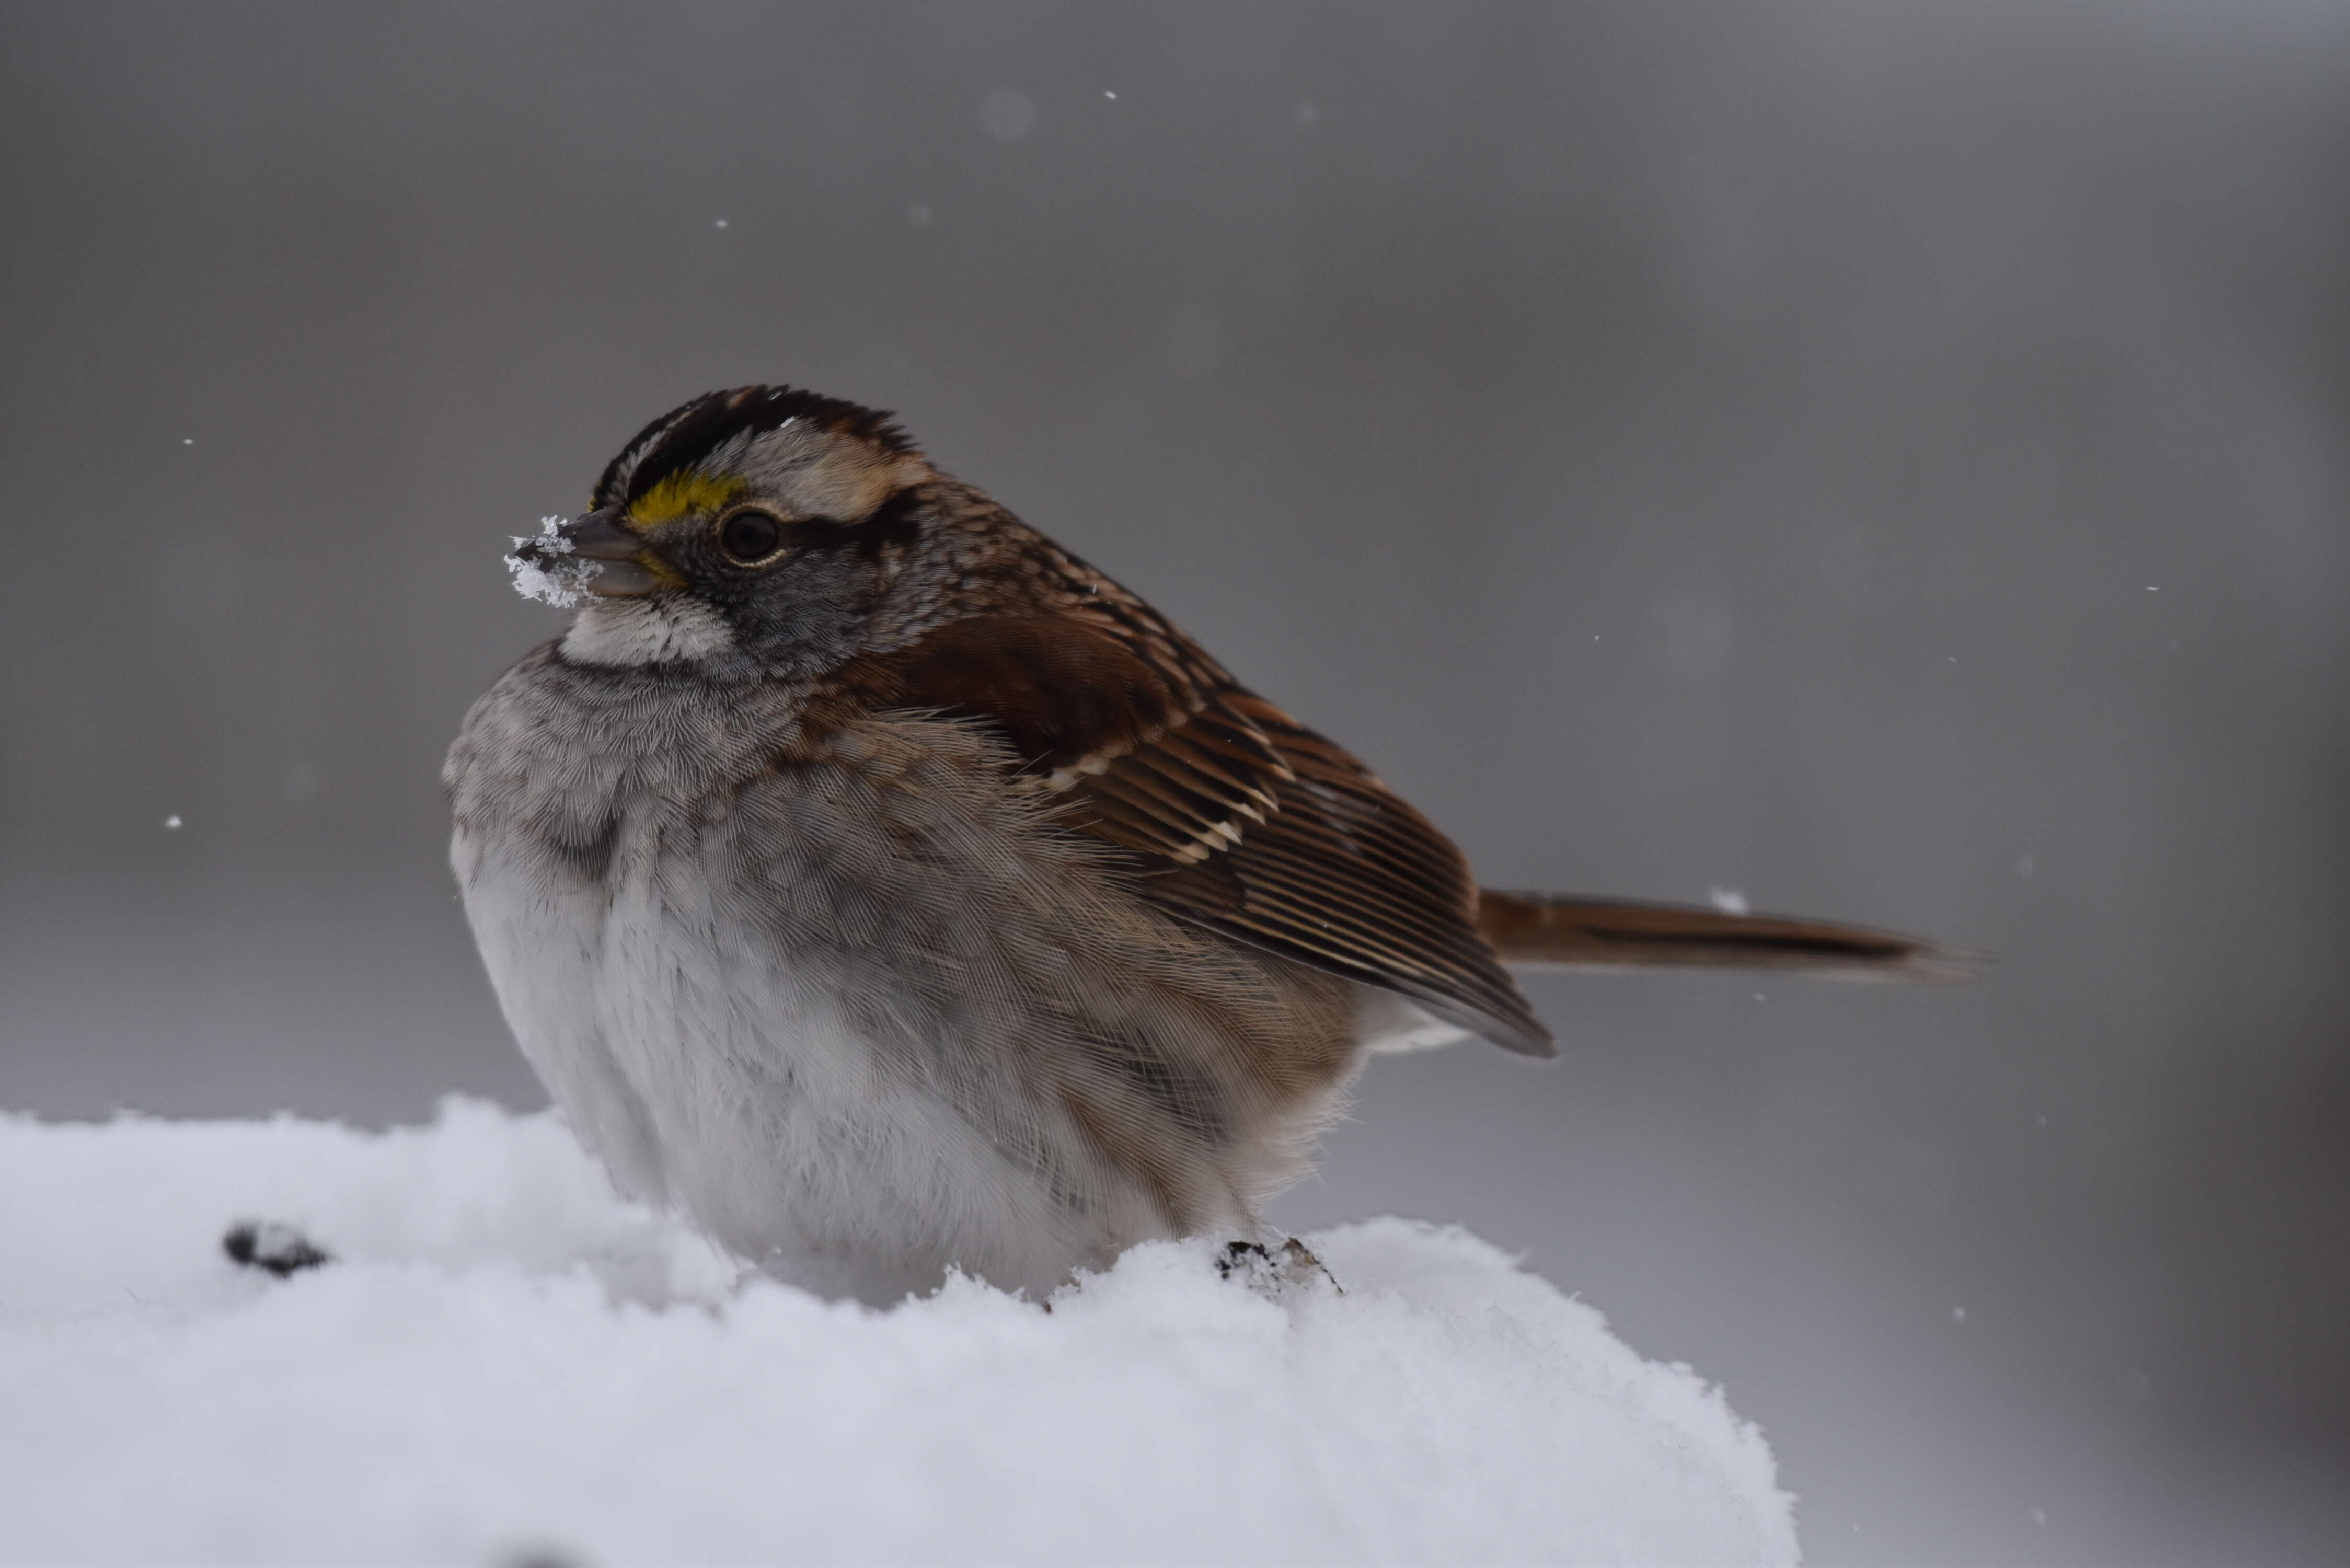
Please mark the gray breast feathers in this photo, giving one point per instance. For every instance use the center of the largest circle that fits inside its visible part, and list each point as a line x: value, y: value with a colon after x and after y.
x: 859, y: 1007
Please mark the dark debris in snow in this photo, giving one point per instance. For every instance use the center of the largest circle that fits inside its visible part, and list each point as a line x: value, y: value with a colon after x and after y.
x: 275, y: 1248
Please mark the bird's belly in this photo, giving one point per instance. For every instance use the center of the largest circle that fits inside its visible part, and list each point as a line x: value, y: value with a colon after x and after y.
x: 868, y: 1017
x: 711, y: 1074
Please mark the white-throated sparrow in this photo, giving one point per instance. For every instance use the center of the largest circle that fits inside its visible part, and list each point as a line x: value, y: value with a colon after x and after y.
x: 892, y: 891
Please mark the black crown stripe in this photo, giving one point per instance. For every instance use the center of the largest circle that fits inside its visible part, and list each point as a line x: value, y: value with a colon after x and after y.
x: 681, y: 438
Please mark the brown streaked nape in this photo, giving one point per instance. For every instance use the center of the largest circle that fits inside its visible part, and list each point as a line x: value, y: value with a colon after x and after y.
x: 1559, y: 930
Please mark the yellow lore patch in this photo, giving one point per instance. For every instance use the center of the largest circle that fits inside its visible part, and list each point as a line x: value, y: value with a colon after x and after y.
x: 682, y: 494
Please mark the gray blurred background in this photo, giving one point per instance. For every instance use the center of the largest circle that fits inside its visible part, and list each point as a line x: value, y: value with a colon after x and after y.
x: 1886, y: 460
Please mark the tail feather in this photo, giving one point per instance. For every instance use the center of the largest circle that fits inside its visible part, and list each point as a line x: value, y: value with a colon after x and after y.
x: 1558, y: 930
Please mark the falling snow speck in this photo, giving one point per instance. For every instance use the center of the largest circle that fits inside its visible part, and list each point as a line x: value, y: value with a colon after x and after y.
x: 172, y: 823
x: 1728, y: 900
x: 919, y: 214
x: 1958, y: 1314
x: 1108, y: 94
x: 718, y: 223
x: 187, y: 441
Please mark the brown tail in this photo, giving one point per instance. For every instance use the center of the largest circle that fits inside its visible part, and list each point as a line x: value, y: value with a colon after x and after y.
x: 1557, y: 931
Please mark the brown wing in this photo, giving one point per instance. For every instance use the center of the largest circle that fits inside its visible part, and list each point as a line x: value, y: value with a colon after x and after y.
x: 1348, y: 876
x: 1238, y: 817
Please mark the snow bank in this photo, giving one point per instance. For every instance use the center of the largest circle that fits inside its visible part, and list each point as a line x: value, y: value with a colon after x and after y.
x: 505, y: 1364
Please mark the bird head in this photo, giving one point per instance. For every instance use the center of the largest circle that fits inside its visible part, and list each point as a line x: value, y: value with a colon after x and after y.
x: 759, y: 529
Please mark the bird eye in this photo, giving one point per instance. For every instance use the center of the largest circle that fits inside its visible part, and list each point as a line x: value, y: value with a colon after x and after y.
x: 749, y: 537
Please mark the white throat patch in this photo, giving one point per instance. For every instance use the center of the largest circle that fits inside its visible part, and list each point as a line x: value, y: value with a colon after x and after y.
x: 652, y: 631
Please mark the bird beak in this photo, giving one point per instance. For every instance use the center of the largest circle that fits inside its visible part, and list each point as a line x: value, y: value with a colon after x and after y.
x: 622, y: 569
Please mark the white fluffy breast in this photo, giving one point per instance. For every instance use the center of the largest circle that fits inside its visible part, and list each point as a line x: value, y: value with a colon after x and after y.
x: 751, y: 988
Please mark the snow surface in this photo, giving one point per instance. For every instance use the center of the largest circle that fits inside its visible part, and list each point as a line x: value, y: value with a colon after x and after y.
x: 506, y: 1364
